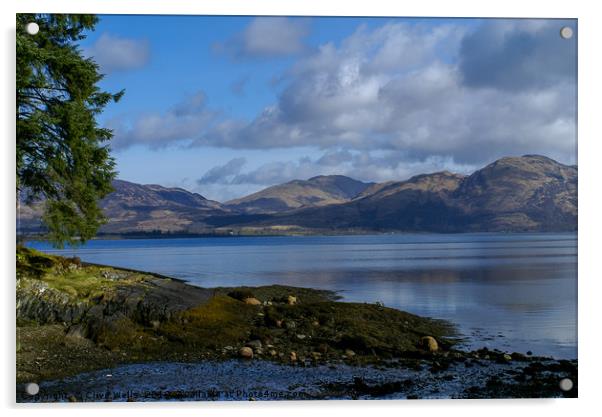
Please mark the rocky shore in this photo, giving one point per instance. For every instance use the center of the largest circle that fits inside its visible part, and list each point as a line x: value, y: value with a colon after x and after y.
x: 74, y: 318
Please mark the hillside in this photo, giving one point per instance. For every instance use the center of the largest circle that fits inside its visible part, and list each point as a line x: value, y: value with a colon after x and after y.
x: 132, y: 208
x: 317, y: 191
x: 529, y: 193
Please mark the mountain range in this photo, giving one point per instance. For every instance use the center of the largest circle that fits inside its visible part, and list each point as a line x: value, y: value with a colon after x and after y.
x: 528, y: 193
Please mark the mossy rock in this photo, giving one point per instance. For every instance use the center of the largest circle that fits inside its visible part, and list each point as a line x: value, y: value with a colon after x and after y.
x: 364, y: 328
x: 221, y: 322
x: 280, y: 293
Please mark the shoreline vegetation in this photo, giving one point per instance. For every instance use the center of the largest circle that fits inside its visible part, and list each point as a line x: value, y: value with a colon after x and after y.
x: 74, y: 317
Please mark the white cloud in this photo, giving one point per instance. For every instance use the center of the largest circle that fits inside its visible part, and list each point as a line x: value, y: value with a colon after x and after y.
x: 404, y: 87
x: 114, y: 53
x: 366, y: 165
x: 184, y: 121
x: 268, y: 37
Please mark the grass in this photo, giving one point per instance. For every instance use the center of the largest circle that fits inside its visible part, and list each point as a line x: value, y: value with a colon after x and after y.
x: 33, y: 263
x: 83, y: 284
x: 68, y: 276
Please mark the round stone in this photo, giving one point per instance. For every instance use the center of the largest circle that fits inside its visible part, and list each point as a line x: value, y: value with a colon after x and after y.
x: 246, y: 352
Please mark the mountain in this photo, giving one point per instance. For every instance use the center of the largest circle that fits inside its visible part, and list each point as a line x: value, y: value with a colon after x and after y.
x: 415, y: 204
x: 529, y: 193
x: 532, y: 192
x: 132, y: 208
x: 142, y: 208
x: 317, y: 191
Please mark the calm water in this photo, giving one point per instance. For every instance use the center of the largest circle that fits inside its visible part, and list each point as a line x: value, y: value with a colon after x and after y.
x: 515, y: 292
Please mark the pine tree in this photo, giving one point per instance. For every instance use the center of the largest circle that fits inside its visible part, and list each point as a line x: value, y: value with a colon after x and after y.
x: 63, y: 156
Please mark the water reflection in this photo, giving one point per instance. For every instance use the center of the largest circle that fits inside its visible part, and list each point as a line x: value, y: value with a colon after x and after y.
x: 523, y: 286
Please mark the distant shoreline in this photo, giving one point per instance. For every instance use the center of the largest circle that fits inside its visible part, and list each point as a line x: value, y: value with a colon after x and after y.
x: 139, y: 236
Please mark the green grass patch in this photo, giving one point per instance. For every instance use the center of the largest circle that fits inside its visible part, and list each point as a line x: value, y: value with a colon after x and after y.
x: 87, y: 283
x: 69, y: 276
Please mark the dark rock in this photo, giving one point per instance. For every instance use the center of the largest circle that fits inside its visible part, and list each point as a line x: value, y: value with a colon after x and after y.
x: 255, y: 344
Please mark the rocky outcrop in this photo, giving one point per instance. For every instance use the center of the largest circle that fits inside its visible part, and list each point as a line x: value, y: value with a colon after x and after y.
x: 38, y: 302
x: 154, y: 300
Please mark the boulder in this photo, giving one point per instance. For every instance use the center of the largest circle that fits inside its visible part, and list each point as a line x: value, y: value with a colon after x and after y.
x: 246, y: 352
x: 429, y: 343
x: 252, y: 301
x: 291, y: 300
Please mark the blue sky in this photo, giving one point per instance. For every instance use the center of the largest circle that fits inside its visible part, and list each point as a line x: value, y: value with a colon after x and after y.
x: 225, y: 106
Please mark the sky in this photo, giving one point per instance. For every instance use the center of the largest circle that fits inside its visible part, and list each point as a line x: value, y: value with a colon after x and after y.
x: 226, y: 106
